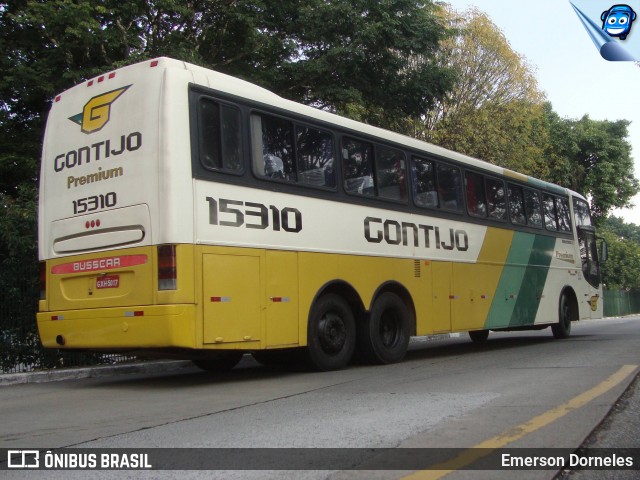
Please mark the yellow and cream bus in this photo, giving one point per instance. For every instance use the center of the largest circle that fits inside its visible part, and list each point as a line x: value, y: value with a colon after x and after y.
x: 186, y: 213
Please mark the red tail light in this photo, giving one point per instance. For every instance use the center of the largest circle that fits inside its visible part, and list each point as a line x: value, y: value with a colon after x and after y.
x: 43, y: 280
x: 167, y: 267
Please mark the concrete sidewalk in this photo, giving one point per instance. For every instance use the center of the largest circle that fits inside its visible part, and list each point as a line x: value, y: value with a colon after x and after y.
x: 59, y: 374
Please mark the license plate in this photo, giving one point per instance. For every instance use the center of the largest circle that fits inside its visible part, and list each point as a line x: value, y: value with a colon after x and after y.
x: 108, y: 281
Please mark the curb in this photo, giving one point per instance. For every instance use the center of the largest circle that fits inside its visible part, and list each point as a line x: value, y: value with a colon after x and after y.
x: 57, y: 375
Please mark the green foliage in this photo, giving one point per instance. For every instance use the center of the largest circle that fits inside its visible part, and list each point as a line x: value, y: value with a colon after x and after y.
x: 494, y: 110
x: 622, y: 268
x: 592, y: 157
x: 365, y: 53
x: 617, y: 226
x: 509, y: 135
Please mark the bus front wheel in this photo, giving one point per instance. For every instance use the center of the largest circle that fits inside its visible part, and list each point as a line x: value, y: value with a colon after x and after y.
x: 562, y: 329
x: 384, y: 335
x: 331, y: 336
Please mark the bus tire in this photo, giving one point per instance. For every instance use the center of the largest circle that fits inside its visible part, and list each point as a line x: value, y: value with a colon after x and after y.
x: 384, y: 334
x: 479, y: 336
x: 562, y: 329
x: 331, y: 334
x: 220, y: 363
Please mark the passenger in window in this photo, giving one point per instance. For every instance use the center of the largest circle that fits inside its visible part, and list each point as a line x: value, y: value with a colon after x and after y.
x: 358, y: 175
x: 425, y: 193
x: 329, y: 175
x: 356, y: 167
x: 273, y: 166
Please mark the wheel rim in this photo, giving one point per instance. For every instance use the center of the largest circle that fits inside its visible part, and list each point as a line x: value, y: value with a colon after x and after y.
x: 332, y: 333
x: 389, y: 329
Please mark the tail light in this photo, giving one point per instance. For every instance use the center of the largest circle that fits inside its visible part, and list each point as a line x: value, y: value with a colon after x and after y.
x: 167, y: 271
x: 43, y: 280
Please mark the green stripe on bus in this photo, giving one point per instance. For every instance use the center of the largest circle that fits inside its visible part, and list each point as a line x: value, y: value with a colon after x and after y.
x: 534, y: 182
x: 523, y: 277
x: 533, y: 283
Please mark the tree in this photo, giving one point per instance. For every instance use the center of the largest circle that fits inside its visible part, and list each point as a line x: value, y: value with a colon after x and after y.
x: 593, y: 157
x: 359, y: 58
x: 622, y: 268
x: 617, y: 226
x: 494, y: 110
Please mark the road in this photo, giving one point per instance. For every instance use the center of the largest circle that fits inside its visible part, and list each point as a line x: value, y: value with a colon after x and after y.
x: 520, y: 389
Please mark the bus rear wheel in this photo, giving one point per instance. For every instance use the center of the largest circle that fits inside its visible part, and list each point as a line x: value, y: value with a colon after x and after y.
x: 384, y: 335
x: 331, y: 337
x: 562, y: 329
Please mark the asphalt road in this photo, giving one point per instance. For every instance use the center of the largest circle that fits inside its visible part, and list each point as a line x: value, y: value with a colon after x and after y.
x: 519, y: 390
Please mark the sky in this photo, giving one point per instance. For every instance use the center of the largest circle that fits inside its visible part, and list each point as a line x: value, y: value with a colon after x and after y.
x: 568, y: 66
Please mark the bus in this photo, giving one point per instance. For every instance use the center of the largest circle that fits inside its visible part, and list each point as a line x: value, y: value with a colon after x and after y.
x: 188, y: 214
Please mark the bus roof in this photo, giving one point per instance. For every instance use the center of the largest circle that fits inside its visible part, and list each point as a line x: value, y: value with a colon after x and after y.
x: 241, y: 88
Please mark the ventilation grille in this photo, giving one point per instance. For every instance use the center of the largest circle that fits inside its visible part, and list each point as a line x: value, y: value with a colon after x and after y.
x: 417, y: 272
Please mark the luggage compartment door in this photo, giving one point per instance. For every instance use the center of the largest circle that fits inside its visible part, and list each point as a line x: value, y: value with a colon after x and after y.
x: 232, y: 299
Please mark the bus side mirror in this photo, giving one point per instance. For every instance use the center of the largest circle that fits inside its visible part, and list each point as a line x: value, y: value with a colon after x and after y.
x: 603, y: 252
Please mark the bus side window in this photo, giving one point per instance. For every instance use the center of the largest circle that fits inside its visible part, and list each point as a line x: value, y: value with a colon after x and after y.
x: 220, y: 136
x: 496, y: 200
x: 273, y: 153
x: 390, y: 173
x: 550, y: 217
x: 450, y: 187
x: 533, y: 208
x: 315, y: 157
x: 516, y: 205
x: 358, y: 174
x: 564, y: 216
x: 424, y: 183
x: 476, y: 201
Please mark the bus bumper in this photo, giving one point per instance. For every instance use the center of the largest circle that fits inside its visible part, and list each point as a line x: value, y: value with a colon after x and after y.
x: 161, y: 326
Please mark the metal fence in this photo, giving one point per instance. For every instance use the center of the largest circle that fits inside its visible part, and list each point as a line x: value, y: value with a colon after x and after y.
x: 618, y: 303
x: 20, y: 349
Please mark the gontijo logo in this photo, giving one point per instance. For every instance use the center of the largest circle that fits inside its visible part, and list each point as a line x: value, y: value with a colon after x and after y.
x: 97, y: 111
